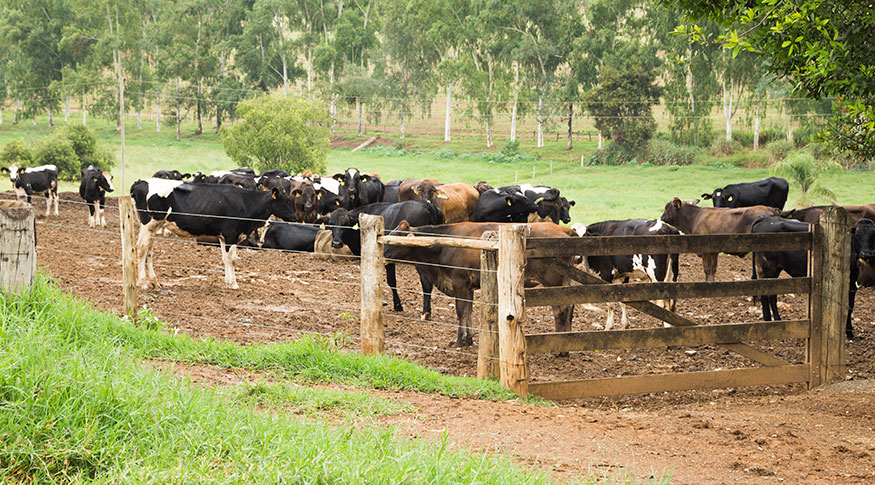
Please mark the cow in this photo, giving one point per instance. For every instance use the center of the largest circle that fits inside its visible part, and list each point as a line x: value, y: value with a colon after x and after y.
x: 456, y: 271
x: 358, y: 189
x: 862, y: 258
x: 267, y: 182
x: 245, y: 181
x: 770, y: 264
x: 329, y: 195
x: 274, y: 172
x: 689, y: 218
x: 483, y: 186
x: 35, y: 180
x: 771, y: 192
x: 504, y: 205
x: 192, y: 210
x: 305, y: 201
x: 632, y: 267
x: 171, y: 175
x: 458, y: 202
x: 811, y: 215
x: 344, y: 229
x: 390, y: 191
x: 417, y: 189
x: 551, y: 206
x: 291, y: 237
x: 93, y: 188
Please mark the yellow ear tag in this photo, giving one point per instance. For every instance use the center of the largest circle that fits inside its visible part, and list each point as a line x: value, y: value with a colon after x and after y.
x: 508, y: 203
x: 94, y: 179
x: 297, y: 195
x: 337, y: 201
x: 729, y: 198
x: 273, y: 194
x: 356, y: 226
x: 342, y: 182
x: 322, y: 226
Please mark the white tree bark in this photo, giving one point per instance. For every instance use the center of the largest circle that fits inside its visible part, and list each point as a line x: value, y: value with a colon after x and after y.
x: 309, y: 74
x: 448, y: 115
x: 728, y: 111
x: 540, y: 120
x: 15, y: 113
x: 690, y: 85
x: 516, y: 97
x: 401, y: 137
x: 84, y: 111
x: 1, y: 115
x: 756, y: 127
x: 601, y: 141
x: 139, y: 119
x: 489, y: 142
x: 158, y: 116
x: 358, y: 105
x: 332, y: 106
x: 67, y: 109
x: 51, y: 116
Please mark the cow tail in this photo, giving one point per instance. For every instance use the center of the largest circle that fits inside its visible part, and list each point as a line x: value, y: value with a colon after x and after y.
x: 675, y: 266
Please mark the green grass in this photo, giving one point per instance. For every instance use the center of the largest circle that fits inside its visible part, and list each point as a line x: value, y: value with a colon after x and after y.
x: 601, y: 192
x: 77, y: 405
x: 309, y: 400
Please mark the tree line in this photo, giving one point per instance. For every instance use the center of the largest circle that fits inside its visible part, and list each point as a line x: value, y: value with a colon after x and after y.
x: 545, y: 59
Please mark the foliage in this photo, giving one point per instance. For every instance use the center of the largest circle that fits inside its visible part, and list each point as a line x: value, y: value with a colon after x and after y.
x: 664, y: 152
x: 18, y: 153
x: 622, y: 105
x: 723, y: 147
x: 779, y: 149
x: 509, y: 153
x: 613, y: 154
x: 85, y: 145
x: 802, y: 169
x: 279, y: 133
x: 58, y: 150
x: 825, y: 48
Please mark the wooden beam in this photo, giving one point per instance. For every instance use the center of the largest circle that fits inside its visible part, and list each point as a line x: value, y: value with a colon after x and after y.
x: 643, y: 384
x: 372, y: 276
x: 834, y: 295
x: 128, y: 227
x: 815, y: 312
x: 546, y: 343
x: 439, y: 241
x: 512, y: 307
x: 668, y: 244
x: 487, y: 341
x: 571, y: 295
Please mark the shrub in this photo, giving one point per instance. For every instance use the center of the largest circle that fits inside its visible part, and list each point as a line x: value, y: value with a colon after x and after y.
x: 723, y: 147
x: 664, y: 152
x: 778, y: 150
x: 279, y: 133
x: 509, y: 153
x: 16, y: 152
x: 800, y: 168
x: 444, y: 153
x: 630, y: 125
x: 613, y: 154
x: 83, y: 140
x: 770, y: 135
x: 58, y: 150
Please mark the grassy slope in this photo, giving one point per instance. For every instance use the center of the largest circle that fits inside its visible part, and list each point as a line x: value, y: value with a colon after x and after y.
x: 77, y: 405
x: 601, y: 192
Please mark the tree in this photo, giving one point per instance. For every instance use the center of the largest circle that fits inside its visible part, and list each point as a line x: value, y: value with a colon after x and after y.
x: 802, y: 169
x: 279, y: 133
x: 622, y: 106
x: 825, y: 48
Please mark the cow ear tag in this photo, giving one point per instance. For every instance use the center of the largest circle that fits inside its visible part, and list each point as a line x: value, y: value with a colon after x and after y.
x: 322, y: 226
x: 94, y: 179
x: 508, y: 202
x: 356, y: 226
x: 730, y: 198
x: 677, y: 203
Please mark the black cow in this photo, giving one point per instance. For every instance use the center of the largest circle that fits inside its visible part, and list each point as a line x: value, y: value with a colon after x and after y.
x: 358, y: 189
x: 291, y: 237
x: 551, y: 206
x: 171, y: 175
x: 274, y: 172
x: 770, y: 264
x: 93, y: 188
x: 504, y: 204
x: 770, y: 192
x: 192, y: 210
x: 329, y: 195
x: 640, y: 267
x: 243, y: 171
x: 390, y: 191
x: 245, y: 181
x: 267, y: 182
x: 36, y: 180
x: 862, y: 255
x: 344, y: 230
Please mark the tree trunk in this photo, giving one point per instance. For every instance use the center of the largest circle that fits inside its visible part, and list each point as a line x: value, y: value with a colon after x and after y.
x: 332, y: 107
x: 33, y: 119
x: 51, y: 117
x: 489, y: 103
x: 139, y: 119
x: 1, y: 115
x: 727, y: 109
x: 516, y: 97
x: 15, y: 113
x: 690, y: 84
x: 218, y: 117
x: 790, y: 131
x: 84, y: 111
x: 756, y: 128
x: 358, y: 105
x: 540, y: 120
x: 178, y: 120
x: 285, y: 77
x: 67, y: 109
x: 309, y: 74
x: 449, y: 111
x: 402, y: 125
x: 570, y: 144
x: 601, y: 141
x: 158, y: 116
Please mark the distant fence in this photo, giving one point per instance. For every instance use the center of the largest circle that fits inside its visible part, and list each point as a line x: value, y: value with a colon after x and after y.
x: 826, y: 285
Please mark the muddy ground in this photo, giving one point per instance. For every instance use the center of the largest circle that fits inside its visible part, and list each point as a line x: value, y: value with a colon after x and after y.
x: 763, y: 433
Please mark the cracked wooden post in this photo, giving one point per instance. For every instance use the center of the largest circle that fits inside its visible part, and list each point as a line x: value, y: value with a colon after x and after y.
x: 17, y: 246
x: 836, y: 225
x: 487, y: 341
x: 372, y: 267
x: 511, y: 307
x: 127, y: 226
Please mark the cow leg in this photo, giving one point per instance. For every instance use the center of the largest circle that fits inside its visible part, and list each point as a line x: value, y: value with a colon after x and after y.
x: 624, y: 319
x: 609, y: 321
x: 393, y: 285
x: 227, y: 259
x: 102, y: 212
x: 91, y: 214
x: 427, y: 288
x: 852, y: 294
x: 48, y: 202
x: 465, y: 336
x: 562, y: 316
x: 145, y: 240
x: 57, y: 198
x: 709, y: 264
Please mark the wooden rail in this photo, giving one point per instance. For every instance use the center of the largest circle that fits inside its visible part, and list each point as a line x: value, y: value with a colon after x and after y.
x: 439, y: 241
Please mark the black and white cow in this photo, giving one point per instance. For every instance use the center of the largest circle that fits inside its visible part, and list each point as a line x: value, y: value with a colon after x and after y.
x: 93, y: 188
x: 171, y: 175
x: 345, y: 231
x: 35, y: 180
x: 358, y: 189
x: 771, y: 192
x: 291, y: 237
x: 190, y: 210
x: 245, y: 181
x: 632, y: 267
x: 329, y: 195
x: 504, y: 204
x: 551, y: 206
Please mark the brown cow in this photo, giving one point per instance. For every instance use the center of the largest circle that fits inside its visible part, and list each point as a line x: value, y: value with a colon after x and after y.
x: 443, y: 266
x: 691, y: 219
x: 417, y: 189
x: 305, y: 200
x: 811, y: 215
x: 458, y: 202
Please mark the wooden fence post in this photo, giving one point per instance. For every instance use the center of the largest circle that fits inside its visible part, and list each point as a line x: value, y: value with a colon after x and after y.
x: 127, y: 215
x: 511, y: 307
x: 815, y: 312
x: 17, y: 246
x: 372, y: 268
x: 487, y: 350
x: 836, y: 224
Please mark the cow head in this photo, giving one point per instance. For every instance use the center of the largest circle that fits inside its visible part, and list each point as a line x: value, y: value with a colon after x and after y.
x: 863, y: 242
x: 511, y: 206
x: 722, y: 198
x: 565, y: 211
x: 350, y: 186
x: 305, y: 200
x: 428, y: 191
x: 281, y: 206
x: 342, y: 222
x: 199, y: 178
x: 483, y: 186
x: 12, y: 170
x: 105, y: 181
x: 672, y: 213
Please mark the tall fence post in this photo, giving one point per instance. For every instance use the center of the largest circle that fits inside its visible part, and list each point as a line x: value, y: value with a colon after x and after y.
x: 17, y: 246
x: 511, y: 307
x: 487, y: 351
x: 836, y: 224
x: 372, y: 268
x: 815, y: 312
x: 127, y: 227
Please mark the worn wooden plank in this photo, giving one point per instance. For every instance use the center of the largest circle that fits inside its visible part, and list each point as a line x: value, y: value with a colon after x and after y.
x: 667, y: 244
x: 815, y: 312
x: 487, y: 341
x: 512, y: 308
x: 128, y: 229
x: 758, y: 376
x: 571, y: 295
x: 545, y: 343
x: 438, y: 241
x: 372, y: 267
x: 17, y: 246
x: 754, y: 354
x: 836, y: 224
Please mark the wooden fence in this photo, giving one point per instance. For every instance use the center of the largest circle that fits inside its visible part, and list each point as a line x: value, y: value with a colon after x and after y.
x: 827, y: 244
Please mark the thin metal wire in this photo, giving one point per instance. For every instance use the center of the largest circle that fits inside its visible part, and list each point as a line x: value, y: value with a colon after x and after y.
x: 443, y: 324
x: 436, y: 294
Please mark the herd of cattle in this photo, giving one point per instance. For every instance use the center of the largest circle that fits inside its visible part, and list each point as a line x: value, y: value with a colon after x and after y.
x: 234, y: 207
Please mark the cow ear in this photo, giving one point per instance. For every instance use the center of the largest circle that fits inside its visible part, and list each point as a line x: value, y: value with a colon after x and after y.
x: 94, y: 179
x: 706, y: 196
x: 338, y: 176
x: 508, y: 201
x: 442, y: 195
x: 417, y: 190
x: 571, y: 203
x: 677, y: 203
x: 365, y: 178
x: 337, y: 201
x: 694, y: 202
x: 186, y: 176
x: 275, y: 193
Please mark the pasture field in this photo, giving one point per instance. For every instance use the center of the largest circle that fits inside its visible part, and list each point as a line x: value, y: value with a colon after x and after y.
x: 601, y: 192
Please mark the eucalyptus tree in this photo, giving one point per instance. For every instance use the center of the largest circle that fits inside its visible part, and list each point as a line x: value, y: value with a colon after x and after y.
x: 354, y: 37
x: 265, y: 51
